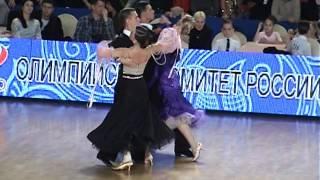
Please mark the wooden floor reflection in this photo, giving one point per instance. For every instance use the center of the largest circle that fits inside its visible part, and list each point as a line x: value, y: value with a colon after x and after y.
x: 47, y: 141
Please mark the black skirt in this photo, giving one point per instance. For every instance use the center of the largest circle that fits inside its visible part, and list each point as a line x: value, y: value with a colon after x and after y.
x: 131, y: 121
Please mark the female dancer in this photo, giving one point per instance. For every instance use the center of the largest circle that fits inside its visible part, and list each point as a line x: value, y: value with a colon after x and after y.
x: 166, y: 94
x: 131, y: 122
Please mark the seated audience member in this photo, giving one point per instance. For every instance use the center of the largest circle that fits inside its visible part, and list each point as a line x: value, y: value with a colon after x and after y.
x: 95, y: 27
x: 300, y: 45
x: 112, y: 12
x: 51, y: 27
x: 161, y: 6
x: 314, y: 31
x: 227, y: 43
x: 286, y: 10
x: 26, y: 25
x: 229, y: 8
x: 309, y: 10
x: 209, y: 7
x: 4, y: 11
x: 268, y: 35
x: 258, y: 9
x: 146, y: 15
x: 201, y: 34
x: 184, y: 4
x: 145, y: 12
x: 186, y: 24
x: 291, y: 34
x: 15, y: 5
x: 175, y: 14
x: 313, y: 38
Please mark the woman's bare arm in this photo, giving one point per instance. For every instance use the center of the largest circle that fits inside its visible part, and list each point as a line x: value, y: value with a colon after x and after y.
x: 131, y: 56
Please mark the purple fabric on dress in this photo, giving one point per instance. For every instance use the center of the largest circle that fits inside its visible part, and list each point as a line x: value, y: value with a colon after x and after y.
x: 165, y: 93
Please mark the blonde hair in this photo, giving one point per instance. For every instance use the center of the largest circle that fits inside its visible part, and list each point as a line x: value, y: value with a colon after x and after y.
x: 199, y: 14
x: 186, y: 24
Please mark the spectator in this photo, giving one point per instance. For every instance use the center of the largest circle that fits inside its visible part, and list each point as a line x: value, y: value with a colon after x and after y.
x: 268, y: 35
x: 112, y: 12
x: 200, y: 35
x: 228, y: 8
x: 95, y: 27
x: 259, y: 9
x: 309, y: 10
x: 161, y: 6
x: 146, y: 15
x: 209, y: 7
x: 186, y: 24
x: 4, y: 11
x: 184, y: 4
x: 51, y: 27
x: 300, y: 45
x: 175, y: 14
x: 116, y: 4
x: 227, y: 43
x: 291, y: 34
x: 25, y: 25
x: 313, y: 37
x: 145, y: 12
x: 286, y: 10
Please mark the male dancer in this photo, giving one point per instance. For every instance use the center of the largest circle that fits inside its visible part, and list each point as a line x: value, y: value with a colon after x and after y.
x: 128, y: 21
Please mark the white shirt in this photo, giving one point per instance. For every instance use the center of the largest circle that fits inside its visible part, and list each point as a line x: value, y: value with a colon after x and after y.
x: 300, y: 46
x: 127, y: 32
x: 149, y: 26
x: 33, y: 29
x: 272, y: 39
x: 221, y: 45
x: 44, y: 23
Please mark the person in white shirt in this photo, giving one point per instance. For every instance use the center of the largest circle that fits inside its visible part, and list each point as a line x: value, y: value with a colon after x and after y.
x: 300, y: 45
x: 4, y: 11
x: 286, y: 10
x: 25, y: 25
x: 268, y: 35
x: 227, y: 43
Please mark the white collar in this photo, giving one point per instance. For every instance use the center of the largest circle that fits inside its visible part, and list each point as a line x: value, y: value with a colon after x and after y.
x: 149, y: 26
x: 127, y: 32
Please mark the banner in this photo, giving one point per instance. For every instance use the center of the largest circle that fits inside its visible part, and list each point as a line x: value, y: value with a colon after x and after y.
x: 228, y: 81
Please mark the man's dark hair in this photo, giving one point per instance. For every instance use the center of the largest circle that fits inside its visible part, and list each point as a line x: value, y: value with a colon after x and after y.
x: 144, y: 36
x: 272, y: 19
x: 303, y: 27
x: 141, y: 6
x: 124, y: 14
x: 227, y: 21
x: 20, y: 15
x: 48, y: 2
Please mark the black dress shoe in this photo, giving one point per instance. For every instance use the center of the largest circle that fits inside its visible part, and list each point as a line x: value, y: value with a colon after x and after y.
x: 185, y: 153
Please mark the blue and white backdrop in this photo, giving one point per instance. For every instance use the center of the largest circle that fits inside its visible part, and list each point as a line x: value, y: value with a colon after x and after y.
x: 243, y: 82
